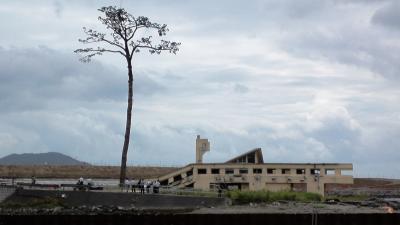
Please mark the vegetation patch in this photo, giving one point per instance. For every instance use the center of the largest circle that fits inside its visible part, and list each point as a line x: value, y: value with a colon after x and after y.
x: 243, y: 197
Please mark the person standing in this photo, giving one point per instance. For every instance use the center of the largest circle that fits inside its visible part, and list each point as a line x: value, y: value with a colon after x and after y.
x: 156, y: 187
x: 219, y: 191
x: 144, y: 186
x: 141, y: 186
x: 33, y: 180
x: 148, y: 186
x: 79, y: 184
x: 133, y: 186
x: 126, y: 185
x: 80, y: 181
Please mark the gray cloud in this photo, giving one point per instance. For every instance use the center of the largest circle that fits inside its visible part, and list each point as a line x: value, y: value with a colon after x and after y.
x: 388, y: 15
x: 144, y: 85
x: 239, y: 88
x: 58, y: 8
x: 48, y: 98
x: 42, y: 73
x: 349, y: 44
x: 31, y: 78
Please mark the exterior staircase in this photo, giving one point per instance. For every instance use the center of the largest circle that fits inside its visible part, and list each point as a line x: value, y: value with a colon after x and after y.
x: 181, y: 178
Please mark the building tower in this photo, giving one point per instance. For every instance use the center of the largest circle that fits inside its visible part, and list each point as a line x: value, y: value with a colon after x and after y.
x: 202, y: 146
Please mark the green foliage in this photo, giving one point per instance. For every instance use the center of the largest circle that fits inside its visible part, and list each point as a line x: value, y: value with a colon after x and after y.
x: 309, y: 197
x: 243, y: 197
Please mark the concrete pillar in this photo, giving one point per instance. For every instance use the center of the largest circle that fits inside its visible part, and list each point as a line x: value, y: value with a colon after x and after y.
x: 202, y: 146
x: 315, y: 186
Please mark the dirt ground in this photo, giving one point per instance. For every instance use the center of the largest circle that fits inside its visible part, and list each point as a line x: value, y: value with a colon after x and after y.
x: 104, y: 172
x: 379, y: 183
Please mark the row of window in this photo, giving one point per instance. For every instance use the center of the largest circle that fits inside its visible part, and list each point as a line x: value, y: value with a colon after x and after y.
x: 269, y: 171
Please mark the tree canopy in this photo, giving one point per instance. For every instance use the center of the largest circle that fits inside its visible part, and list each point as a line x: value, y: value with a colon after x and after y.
x: 122, y: 39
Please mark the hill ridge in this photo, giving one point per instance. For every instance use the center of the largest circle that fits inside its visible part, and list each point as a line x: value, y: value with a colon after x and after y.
x: 48, y: 158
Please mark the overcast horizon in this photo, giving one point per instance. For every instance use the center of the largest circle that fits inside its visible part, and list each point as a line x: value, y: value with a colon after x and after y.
x: 307, y: 81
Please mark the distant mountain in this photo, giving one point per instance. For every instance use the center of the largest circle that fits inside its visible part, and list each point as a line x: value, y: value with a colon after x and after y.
x: 50, y: 158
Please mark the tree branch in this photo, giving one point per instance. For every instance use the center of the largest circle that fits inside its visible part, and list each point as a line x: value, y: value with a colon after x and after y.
x: 113, y: 43
x: 93, y: 52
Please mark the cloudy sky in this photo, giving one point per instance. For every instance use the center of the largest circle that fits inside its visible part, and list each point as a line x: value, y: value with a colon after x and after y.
x: 307, y: 81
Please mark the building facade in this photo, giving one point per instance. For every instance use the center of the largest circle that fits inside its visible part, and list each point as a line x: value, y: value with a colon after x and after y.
x: 249, y: 172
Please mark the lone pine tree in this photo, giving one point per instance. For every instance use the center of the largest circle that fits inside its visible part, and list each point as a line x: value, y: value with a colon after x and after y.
x: 125, y: 39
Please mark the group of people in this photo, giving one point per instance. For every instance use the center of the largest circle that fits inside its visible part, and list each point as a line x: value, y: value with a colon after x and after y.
x: 80, y: 181
x: 144, y: 186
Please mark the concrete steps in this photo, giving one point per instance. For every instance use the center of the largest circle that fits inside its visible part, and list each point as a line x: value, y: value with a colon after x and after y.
x: 175, y: 173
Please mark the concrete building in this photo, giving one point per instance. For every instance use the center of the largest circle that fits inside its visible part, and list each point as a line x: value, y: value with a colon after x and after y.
x: 249, y: 172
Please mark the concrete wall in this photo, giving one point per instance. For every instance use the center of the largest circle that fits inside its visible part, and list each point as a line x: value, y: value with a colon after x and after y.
x: 277, y: 187
x: 79, y: 198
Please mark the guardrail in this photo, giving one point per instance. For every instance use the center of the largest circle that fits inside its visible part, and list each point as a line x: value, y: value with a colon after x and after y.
x: 30, y: 185
x: 83, y: 187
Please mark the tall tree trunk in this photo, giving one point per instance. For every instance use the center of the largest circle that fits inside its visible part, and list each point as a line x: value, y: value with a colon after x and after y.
x: 128, y: 125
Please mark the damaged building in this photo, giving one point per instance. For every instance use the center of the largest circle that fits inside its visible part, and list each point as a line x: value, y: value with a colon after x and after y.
x: 249, y: 172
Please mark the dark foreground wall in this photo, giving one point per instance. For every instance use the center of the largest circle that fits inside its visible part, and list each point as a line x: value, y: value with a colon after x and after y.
x: 207, y: 219
x: 79, y: 198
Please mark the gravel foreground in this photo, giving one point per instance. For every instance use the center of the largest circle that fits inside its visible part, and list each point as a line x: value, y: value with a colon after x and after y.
x: 281, y: 207
x: 292, y: 208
